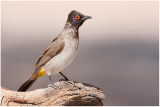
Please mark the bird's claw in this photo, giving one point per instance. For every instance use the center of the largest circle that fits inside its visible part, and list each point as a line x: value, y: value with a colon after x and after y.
x: 63, y: 80
x: 53, y: 86
x: 69, y: 81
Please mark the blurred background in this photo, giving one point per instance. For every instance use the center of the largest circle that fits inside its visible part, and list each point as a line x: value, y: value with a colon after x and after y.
x: 118, y: 47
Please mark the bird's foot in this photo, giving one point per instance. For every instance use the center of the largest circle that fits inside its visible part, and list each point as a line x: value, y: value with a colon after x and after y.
x: 53, y: 86
x: 69, y: 81
x: 63, y: 80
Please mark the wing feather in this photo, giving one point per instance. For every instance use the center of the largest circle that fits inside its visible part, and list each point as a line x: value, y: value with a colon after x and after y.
x: 52, y: 50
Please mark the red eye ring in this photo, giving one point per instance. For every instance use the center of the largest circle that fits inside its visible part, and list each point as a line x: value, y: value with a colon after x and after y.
x: 77, y: 17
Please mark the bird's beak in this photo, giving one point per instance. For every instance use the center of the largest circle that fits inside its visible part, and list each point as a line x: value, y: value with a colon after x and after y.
x: 86, y: 17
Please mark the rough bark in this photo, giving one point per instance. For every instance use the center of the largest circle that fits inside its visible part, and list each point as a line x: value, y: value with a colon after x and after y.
x: 80, y: 94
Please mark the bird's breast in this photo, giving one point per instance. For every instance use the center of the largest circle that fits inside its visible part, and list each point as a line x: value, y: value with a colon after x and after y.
x: 63, y: 59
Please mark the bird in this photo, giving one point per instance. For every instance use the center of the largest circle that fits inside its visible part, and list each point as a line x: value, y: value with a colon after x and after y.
x: 60, y: 53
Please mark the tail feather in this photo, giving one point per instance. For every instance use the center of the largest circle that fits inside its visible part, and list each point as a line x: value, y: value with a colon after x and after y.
x: 26, y: 85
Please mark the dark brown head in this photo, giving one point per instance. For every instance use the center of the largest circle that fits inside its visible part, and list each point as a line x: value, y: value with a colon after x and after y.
x: 76, y: 19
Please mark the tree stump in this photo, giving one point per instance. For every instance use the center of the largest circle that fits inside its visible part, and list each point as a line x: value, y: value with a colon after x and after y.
x: 80, y: 94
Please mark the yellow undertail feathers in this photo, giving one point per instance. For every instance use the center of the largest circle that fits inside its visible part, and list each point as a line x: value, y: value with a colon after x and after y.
x: 41, y: 73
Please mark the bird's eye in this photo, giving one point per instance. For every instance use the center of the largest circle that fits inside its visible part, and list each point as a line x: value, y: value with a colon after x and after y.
x: 77, y: 17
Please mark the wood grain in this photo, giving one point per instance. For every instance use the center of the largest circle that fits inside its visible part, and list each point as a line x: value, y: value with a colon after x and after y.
x: 80, y: 94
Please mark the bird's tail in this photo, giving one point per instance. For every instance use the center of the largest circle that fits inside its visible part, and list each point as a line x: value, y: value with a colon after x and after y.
x: 24, y: 87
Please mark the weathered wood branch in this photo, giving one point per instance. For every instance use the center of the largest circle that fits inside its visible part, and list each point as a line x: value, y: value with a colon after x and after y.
x: 68, y: 95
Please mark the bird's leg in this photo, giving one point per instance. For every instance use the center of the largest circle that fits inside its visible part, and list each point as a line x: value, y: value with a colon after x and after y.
x: 52, y: 85
x: 66, y: 79
x: 64, y: 76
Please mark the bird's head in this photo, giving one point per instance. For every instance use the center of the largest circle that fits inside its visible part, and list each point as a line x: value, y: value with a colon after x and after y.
x: 76, y: 19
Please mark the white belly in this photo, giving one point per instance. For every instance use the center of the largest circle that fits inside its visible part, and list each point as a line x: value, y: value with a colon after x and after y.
x: 63, y: 59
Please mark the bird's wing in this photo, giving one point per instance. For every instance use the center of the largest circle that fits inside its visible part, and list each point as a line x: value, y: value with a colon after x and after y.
x: 52, y: 50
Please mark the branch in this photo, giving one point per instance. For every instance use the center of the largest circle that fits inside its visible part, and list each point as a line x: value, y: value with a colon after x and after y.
x: 68, y: 95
